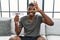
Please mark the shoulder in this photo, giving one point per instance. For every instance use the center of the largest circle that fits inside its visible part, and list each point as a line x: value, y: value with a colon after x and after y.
x: 40, y: 18
x: 24, y: 17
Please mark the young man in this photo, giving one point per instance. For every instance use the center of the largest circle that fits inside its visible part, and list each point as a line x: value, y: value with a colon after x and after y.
x: 31, y: 23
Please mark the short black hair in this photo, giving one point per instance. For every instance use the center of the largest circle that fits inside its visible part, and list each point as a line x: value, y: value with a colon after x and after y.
x: 31, y: 4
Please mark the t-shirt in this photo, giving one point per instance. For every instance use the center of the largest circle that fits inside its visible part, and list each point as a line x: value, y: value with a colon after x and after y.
x: 31, y: 28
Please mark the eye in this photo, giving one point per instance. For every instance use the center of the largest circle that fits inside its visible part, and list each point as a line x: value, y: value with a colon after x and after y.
x: 33, y: 9
x: 29, y: 8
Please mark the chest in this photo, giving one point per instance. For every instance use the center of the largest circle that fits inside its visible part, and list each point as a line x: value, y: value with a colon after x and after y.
x: 30, y: 23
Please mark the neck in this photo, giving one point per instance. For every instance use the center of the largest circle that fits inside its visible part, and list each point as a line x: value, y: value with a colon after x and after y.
x: 31, y: 17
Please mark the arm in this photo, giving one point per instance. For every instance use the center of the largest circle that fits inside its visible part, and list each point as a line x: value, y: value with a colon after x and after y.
x: 46, y: 19
x: 17, y: 28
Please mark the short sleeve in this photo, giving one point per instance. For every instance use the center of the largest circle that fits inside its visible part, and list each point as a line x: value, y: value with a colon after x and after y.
x: 20, y: 23
x: 40, y: 18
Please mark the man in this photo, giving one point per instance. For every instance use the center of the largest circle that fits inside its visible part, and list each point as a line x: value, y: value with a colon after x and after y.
x: 31, y: 23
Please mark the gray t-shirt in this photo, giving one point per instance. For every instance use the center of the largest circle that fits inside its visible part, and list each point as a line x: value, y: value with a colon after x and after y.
x: 31, y: 28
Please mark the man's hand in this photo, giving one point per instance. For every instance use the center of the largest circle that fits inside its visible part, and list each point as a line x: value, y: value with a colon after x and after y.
x: 16, y: 19
x: 36, y: 6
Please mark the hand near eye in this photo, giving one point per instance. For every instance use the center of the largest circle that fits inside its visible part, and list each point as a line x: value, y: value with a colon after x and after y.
x: 37, y: 9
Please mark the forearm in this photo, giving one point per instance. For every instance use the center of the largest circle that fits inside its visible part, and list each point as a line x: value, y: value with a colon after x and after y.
x: 47, y: 20
x: 44, y: 15
x: 17, y: 29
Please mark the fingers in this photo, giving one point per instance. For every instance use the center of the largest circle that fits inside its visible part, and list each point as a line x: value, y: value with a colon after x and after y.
x: 35, y: 2
x: 16, y: 18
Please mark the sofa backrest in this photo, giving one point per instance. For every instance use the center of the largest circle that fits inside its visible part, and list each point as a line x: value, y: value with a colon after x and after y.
x: 55, y: 29
x: 42, y: 29
x: 5, y: 26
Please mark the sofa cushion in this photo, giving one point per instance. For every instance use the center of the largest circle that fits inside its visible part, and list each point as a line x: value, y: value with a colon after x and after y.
x: 5, y: 27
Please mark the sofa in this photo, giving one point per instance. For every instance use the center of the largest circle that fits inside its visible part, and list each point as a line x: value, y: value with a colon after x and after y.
x: 7, y: 29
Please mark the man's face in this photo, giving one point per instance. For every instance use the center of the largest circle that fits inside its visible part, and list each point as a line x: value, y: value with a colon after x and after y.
x: 31, y: 11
